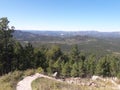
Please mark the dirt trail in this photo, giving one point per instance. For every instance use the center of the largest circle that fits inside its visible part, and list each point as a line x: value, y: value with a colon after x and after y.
x: 25, y: 84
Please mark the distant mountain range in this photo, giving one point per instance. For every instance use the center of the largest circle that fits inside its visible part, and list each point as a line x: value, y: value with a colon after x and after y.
x: 33, y: 33
x: 32, y: 36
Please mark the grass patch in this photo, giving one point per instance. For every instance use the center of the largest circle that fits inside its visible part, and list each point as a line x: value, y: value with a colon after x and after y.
x: 48, y: 84
x: 10, y: 80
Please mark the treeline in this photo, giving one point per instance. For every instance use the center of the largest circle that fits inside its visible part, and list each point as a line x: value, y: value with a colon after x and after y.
x: 14, y: 56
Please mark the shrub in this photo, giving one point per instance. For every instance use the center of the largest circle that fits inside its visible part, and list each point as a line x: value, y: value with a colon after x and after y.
x: 118, y: 75
x: 39, y: 70
x: 29, y: 72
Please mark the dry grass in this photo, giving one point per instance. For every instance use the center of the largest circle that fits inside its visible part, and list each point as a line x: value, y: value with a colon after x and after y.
x: 48, y: 84
x: 10, y: 80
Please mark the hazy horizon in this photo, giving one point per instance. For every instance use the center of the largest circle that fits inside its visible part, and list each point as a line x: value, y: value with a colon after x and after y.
x: 68, y: 30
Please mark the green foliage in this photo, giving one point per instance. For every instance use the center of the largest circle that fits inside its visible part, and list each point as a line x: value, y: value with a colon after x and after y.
x: 114, y: 66
x: 57, y: 66
x: 40, y: 59
x: 118, y: 75
x: 6, y: 45
x: 66, y: 70
x: 39, y: 70
x: 29, y: 72
x: 103, y: 67
x: 90, y: 64
x: 75, y: 54
x: 54, y: 53
x: 75, y: 70
x: 82, y: 69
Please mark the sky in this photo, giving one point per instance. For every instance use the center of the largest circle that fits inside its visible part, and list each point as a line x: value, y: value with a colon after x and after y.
x: 64, y: 15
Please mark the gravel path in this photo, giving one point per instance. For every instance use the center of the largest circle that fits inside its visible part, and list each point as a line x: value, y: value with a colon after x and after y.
x: 25, y: 84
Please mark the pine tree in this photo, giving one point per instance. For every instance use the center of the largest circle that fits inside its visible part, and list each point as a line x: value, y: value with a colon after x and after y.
x: 82, y: 68
x: 103, y: 67
x: 57, y: 66
x: 90, y: 64
x: 6, y: 44
x: 75, y: 70
x: 66, y: 70
x: 40, y: 60
x: 54, y: 53
x: 29, y: 56
x: 75, y: 54
x: 113, y: 66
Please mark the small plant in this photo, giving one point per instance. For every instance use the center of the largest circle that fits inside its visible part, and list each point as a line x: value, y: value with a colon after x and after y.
x: 29, y: 72
x: 118, y: 75
x: 39, y: 70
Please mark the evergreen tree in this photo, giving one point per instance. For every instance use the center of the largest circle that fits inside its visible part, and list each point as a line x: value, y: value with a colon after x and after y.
x: 40, y: 60
x: 57, y: 66
x: 75, y: 54
x: 82, y: 68
x: 6, y: 45
x: 54, y: 53
x: 75, y: 70
x: 113, y: 66
x: 29, y: 56
x: 66, y: 70
x: 50, y: 66
x: 90, y: 64
x: 103, y: 67
x: 18, y: 56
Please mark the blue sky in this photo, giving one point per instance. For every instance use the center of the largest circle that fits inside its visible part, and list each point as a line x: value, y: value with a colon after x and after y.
x: 100, y: 15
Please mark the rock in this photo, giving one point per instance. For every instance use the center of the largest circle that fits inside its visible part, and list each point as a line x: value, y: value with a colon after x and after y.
x: 92, y: 84
x: 95, y: 77
x: 55, y: 74
x: 98, y: 78
x: 115, y: 78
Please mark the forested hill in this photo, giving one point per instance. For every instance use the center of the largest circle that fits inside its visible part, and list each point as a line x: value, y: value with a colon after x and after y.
x: 88, y: 41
